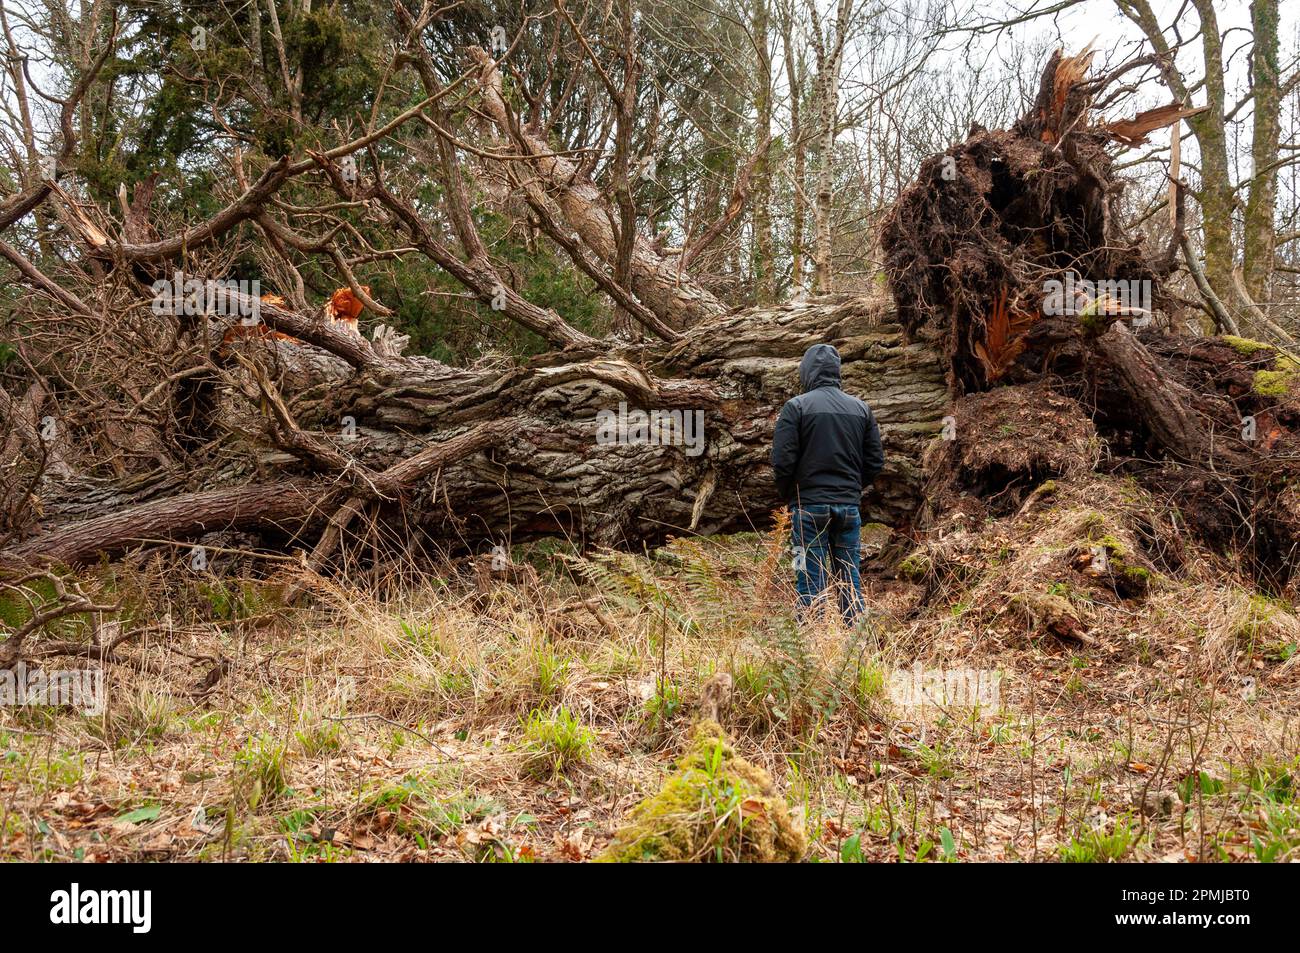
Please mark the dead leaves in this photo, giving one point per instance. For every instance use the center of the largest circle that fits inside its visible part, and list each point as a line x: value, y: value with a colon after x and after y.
x: 575, y: 845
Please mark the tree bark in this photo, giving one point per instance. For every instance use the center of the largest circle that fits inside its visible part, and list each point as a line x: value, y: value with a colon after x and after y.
x: 763, y: 266
x: 794, y: 73
x: 541, y: 469
x: 830, y: 56
x: 1260, y: 229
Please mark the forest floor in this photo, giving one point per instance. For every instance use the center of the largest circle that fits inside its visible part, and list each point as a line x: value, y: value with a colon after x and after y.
x: 1146, y: 707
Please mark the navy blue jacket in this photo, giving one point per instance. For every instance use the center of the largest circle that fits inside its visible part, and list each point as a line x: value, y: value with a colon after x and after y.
x: 826, y: 448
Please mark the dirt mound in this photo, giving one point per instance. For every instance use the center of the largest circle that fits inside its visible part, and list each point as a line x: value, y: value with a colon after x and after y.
x: 998, y: 446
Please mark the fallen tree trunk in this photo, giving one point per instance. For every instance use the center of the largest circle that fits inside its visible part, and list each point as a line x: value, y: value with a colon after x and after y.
x: 547, y: 470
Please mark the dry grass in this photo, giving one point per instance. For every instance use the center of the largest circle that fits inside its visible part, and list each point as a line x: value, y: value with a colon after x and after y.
x: 472, y: 717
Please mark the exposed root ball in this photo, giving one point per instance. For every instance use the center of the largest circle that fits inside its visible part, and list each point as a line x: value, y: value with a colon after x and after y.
x: 972, y: 244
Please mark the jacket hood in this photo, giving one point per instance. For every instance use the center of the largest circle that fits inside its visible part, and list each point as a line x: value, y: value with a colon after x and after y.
x: 820, y: 367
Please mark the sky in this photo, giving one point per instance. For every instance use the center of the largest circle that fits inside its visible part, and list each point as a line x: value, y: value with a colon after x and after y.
x: 1101, y: 23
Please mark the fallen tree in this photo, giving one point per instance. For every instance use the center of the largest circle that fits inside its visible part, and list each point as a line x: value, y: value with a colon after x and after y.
x: 538, y: 464
x: 326, y: 425
x: 553, y: 465
x: 1011, y: 243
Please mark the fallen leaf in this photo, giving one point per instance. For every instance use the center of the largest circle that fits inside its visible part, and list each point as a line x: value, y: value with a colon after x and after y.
x: 141, y: 814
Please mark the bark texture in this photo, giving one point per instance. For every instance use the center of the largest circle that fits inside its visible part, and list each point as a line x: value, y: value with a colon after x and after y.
x: 545, y: 472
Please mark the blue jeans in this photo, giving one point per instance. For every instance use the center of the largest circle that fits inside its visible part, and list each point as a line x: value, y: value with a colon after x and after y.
x: 827, y: 550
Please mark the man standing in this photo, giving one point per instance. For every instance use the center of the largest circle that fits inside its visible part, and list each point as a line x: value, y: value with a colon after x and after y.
x: 825, y: 452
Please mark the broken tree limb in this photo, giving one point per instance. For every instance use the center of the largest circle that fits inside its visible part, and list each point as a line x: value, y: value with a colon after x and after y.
x: 736, y: 204
x: 185, y: 516
x: 1222, y: 316
x: 656, y: 281
x: 1165, y: 406
x: 289, y: 504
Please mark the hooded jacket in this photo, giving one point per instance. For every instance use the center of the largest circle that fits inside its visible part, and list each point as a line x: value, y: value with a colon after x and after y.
x: 826, y: 448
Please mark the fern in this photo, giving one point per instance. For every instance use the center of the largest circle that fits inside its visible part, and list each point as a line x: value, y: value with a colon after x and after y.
x: 620, y: 577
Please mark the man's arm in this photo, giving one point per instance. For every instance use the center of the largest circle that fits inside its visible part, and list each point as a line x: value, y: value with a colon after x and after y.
x: 785, y: 449
x: 873, y: 454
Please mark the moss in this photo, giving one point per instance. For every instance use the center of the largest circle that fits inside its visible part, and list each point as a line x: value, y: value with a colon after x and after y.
x: 1120, y: 562
x: 1273, y: 383
x: 715, y: 806
x: 1114, y: 548
x: 1138, y: 573
x: 1094, y: 322
x: 1093, y: 520
x: 1244, y: 346
x: 1267, y: 383
x: 916, y: 566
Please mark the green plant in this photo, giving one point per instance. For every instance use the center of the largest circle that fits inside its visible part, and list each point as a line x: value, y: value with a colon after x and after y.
x: 948, y: 843
x: 805, y: 691
x: 556, y: 742
x: 262, y: 771
x: 319, y: 737
x: 1278, y: 837
x: 663, y: 704
x: 550, y: 670
x: 870, y: 682
x: 937, y: 760
x: 1201, y: 782
x: 138, y: 715
x: 1096, y: 846
x: 234, y: 601
x: 851, y: 850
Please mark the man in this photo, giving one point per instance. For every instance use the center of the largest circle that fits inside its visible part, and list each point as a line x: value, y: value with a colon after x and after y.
x: 825, y: 452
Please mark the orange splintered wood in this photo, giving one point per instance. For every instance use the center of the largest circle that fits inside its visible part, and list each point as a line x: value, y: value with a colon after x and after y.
x: 1004, y: 336
x: 242, y: 331
x: 345, y: 307
x: 1070, y: 71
